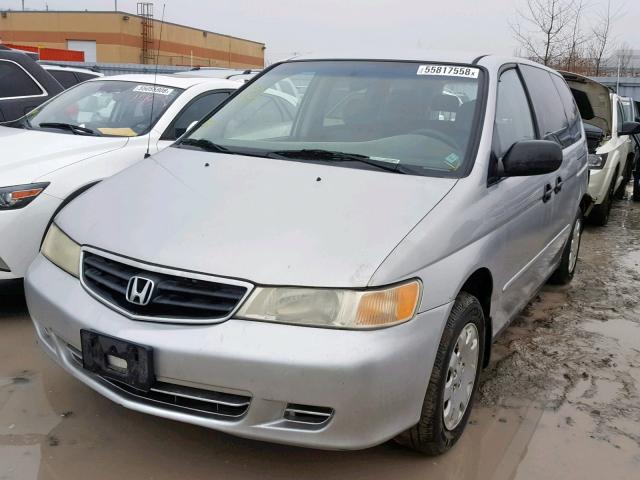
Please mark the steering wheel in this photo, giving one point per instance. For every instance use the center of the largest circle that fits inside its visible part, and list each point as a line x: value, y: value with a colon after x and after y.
x: 443, y: 137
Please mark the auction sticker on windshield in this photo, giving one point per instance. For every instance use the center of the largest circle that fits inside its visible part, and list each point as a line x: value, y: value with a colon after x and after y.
x: 152, y: 89
x: 448, y: 71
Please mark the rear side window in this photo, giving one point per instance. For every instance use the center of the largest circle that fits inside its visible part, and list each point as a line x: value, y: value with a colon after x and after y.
x: 15, y: 82
x: 548, y: 105
x: 64, y: 78
x: 570, y: 109
x: 513, y: 117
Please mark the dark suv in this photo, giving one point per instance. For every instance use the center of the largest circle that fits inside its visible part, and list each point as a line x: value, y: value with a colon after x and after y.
x: 23, y: 85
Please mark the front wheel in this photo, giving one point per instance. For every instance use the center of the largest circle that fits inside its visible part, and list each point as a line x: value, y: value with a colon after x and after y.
x: 454, y: 380
x: 567, y: 268
x: 636, y: 186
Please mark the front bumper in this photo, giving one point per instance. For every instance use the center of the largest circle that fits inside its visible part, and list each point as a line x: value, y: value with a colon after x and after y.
x: 374, y: 381
x: 21, y: 232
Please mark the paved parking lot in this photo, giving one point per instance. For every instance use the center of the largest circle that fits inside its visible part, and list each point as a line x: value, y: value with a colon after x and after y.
x: 560, y: 400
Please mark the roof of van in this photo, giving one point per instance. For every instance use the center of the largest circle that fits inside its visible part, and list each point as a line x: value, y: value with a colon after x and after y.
x: 463, y: 57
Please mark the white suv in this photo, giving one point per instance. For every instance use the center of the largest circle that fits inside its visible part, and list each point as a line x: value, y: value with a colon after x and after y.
x: 609, y: 140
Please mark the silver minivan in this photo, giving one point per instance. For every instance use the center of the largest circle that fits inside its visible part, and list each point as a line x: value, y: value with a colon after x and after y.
x: 326, y: 269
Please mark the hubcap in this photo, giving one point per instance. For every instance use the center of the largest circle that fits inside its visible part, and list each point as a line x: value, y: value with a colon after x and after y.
x: 461, y: 376
x: 575, y: 245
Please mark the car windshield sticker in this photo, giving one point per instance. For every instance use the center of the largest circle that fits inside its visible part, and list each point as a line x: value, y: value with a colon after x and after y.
x: 118, y: 132
x: 453, y: 161
x: 448, y: 71
x: 152, y: 89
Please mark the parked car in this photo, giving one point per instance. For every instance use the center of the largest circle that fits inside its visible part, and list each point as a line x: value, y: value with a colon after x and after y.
x: 611, y: 154
x: 632, y: 114
x: 32, y: 55
x: 70, y: 76
x: 85, y: 134
x: 23, y: 85
x: 334, y: 284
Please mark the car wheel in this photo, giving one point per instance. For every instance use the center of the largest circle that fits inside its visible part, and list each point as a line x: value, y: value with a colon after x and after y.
x: 600, y: 213
x: 636, y: 187
x: 454, y: 381
x: 566, y: 269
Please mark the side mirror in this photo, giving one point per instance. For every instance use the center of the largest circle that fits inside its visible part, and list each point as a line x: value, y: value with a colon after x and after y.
x: 629, y: 128
x: 532, y: 157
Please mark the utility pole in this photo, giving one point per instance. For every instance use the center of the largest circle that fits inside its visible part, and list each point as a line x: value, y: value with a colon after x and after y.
x: 115, y: 5
x: 23, y: 5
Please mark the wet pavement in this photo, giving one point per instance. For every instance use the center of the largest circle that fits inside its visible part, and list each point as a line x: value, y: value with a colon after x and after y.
x: 560, y: 400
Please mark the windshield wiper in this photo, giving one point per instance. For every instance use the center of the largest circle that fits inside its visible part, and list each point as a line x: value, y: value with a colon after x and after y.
x: 75, y: 129
x: 204, y: 144
x: 328, y: 155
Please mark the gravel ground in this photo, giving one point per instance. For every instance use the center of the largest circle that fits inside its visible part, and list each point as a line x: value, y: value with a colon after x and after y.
x: 559, y: 400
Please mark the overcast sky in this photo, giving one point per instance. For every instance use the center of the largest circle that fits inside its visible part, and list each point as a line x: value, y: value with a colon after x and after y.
x: 306, y: 26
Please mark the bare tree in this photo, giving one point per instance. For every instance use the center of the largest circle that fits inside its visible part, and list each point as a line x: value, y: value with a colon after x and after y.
x: 601, y: 40
x: 576, y: 38
x: 541, y: 29
x: 625, y: 55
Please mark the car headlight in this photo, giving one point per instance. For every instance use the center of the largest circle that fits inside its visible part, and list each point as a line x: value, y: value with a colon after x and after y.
x: 334, y: 308
x: 61, y: 250
x: 597, y: 160
x: 19, y: 196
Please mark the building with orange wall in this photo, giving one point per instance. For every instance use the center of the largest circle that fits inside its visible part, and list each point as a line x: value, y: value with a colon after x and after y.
x: 119, y: 37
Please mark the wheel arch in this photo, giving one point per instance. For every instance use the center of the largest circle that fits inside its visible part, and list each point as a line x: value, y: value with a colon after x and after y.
x: 480, y: 285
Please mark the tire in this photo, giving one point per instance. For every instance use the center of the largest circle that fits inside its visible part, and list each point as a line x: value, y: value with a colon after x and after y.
x: 567, y: 268
x: 600, y: 213
x: 636, y: 183
x: 431, y: 435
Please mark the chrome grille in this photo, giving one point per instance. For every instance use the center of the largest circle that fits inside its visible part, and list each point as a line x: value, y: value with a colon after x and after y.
x: 174, y: 297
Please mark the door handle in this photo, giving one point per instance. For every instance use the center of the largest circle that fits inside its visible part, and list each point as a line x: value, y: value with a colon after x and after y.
x: 558, y: 186
x: 548, y: 190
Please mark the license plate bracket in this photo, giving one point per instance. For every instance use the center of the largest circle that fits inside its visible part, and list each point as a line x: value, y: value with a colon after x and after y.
x: 116, y: 359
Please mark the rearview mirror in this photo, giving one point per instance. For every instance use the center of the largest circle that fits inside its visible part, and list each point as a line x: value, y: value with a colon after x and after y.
x: 629, y: 128
x: 532, y: 157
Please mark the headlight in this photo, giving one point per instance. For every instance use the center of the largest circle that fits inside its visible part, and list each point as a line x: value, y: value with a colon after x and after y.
x: 597, y: 160
x: 332, y: 307
x: 61, y: 250
x: 19, y: 196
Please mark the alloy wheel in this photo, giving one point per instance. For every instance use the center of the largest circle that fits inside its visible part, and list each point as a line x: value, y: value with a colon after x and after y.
x: 574, y: 248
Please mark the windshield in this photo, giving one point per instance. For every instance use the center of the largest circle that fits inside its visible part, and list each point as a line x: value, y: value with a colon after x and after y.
x: 105, y: 107
x: 628, y: 110
x: 417, y: 118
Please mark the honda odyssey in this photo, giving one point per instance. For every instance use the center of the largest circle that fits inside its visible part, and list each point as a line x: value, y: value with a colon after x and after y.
x: 329, y: 273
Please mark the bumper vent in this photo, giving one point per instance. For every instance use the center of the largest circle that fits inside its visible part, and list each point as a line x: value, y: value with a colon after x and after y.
x: 195, y: 401
x: 168, y: 297
x: 307, y: 415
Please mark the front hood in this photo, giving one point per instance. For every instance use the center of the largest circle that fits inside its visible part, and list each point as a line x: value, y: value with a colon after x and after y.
x: 271, y: 222
x: 593, y: 100
x: 30, y: 154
